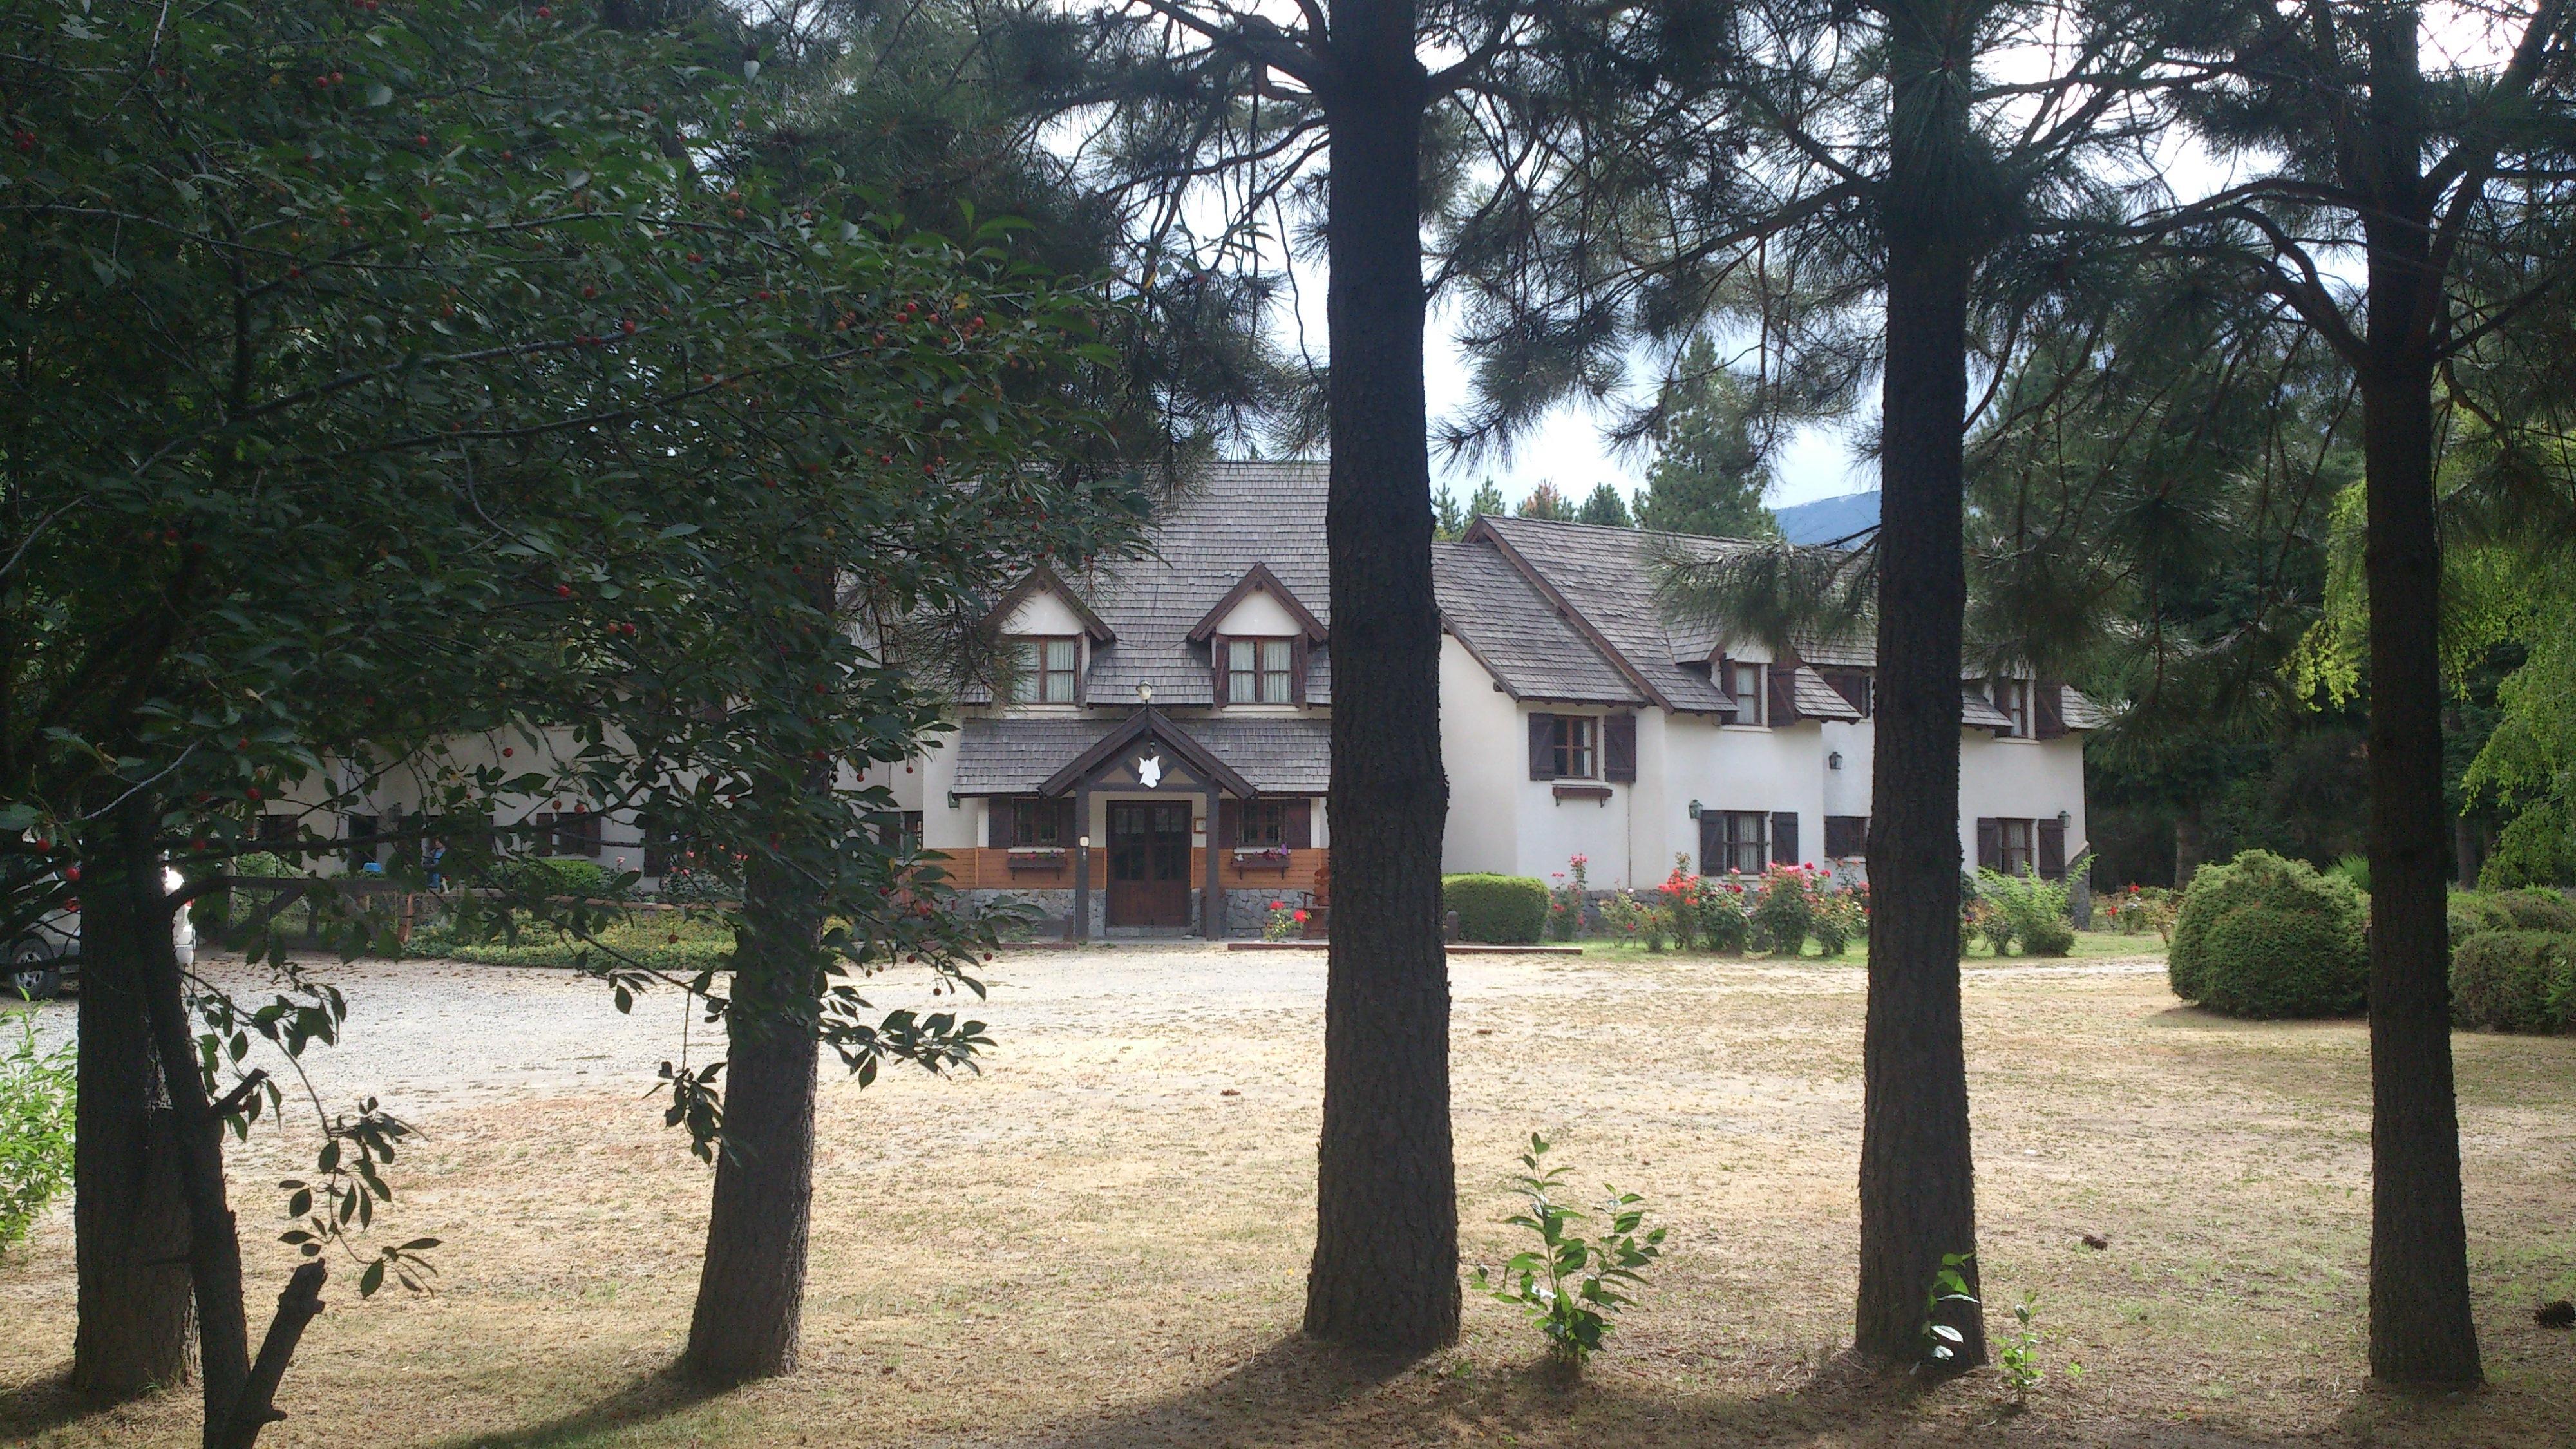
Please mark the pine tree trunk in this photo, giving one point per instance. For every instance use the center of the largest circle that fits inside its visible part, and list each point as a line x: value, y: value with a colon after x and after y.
x: 1385, y: 1271
x: 129, y: 1223
x: 1917, y: 1173
x: 2421, y: 1331
x: 751, y: 1289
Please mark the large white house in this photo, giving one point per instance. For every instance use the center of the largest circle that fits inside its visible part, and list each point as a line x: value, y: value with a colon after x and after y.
x: 1167, y: 731
x: 1165, y: 739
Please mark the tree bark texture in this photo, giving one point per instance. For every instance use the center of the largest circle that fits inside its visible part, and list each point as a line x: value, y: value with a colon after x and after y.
x: 1385, y: 1270
x: 214, y: 1244
x: 1917, y: 1173
x: 2421, y: 1331
x: 751, y: 1288
x: 129, y: 1222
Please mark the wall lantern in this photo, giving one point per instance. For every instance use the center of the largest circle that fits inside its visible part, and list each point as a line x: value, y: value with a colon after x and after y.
x: 1694, y: 809
x: 1085, y: 842
x: 1144, y: 694
x: 1834, y: 761
x: 2064, y: 819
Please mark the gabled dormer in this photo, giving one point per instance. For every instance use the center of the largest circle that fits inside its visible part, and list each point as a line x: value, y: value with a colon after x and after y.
x: 1047, y: 634
x: 1260, y: 638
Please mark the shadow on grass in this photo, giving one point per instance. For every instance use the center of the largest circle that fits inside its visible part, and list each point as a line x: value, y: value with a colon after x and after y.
x: 1298, y: 1392
x: 49, y: 1402
x: 639, y: 1401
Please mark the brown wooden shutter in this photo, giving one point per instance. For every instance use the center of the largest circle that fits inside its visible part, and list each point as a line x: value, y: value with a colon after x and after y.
x: 2052, y: 850
x: 997, y: 821
x: 1542, y: 746
x: 1619, y: 748
x: 1064, y: 831
x: 1784, y: 838
x: 2048, y: 708
x: 1726, y: 686
x: 1990, y: 844
x: 1297, y: 669
x: 1229, y: 823
x: 1783, y: 679
x: 1216, y: 670
x: 1297, y: 825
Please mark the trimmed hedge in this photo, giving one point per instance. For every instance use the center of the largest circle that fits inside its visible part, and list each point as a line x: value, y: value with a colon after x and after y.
x: 2268, y: 962
x: 2515, y: 981
x: 550, y: 876
x: 2299, y: 952
x: 1507, y: 910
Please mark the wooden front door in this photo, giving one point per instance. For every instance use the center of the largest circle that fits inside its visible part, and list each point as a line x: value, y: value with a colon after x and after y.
x: 1149, y: 863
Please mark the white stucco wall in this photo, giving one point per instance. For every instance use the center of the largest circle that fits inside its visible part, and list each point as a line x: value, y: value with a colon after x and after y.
x: 1043, y: 612
x: 2033, y: 779
x: 1552, y: 831
x: 1742, y: 767
x: 1259, y: 613
x: 1483, y: 748
x: 1846, y: 791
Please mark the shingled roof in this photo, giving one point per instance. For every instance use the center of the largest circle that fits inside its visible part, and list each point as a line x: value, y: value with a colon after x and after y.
x: 1599, y: 583
x: 1553, y: 611
x: 1520, y: 638
x: 1605, y: 579
x: 1229, y: 517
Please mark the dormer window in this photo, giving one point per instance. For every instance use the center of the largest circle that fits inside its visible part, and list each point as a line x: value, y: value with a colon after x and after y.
x: 2012, y: 698
x: 1044, y: 670
x: 1744, y: 681
x: 1260, y: 671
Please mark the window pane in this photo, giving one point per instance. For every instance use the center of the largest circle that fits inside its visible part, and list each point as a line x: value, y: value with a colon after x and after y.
x: 1027, y: 681
x: 1242, y: 677
x: 1058, y: 656
x: 1274, y: 671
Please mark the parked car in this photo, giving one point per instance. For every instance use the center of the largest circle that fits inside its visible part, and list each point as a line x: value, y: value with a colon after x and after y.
x: 48, y: 954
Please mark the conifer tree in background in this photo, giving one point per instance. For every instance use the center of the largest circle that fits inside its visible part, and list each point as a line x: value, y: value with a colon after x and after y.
x: 1487, y: 502
x: 1606, y: 507
x: 1709, y: 472
x: 1448, y: 518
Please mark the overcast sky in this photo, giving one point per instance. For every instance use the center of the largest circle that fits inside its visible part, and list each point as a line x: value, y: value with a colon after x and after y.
x: 1819, y: 463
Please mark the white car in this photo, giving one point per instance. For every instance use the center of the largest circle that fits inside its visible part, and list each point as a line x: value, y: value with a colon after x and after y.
x: 40, y: 960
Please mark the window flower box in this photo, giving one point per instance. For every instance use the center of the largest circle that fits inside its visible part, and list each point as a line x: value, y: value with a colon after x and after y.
x: 1261, y: 857
x: 1036, y: 858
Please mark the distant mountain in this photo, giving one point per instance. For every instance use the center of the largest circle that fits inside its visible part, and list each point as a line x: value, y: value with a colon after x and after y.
x: 1828, y: 519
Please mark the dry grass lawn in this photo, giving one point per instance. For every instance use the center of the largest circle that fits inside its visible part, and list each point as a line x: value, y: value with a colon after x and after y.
x: 1101, y: 1242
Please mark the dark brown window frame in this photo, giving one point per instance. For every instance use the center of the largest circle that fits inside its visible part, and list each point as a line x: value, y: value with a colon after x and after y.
x: 1031, y: 685
x: 1576, y: 749
x: 1737, y: 847
x: 1276, y: 672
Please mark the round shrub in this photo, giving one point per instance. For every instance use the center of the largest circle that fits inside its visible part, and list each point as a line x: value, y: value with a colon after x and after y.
x: 2259, y: 879
x: 2474, y: 913
x: 2515, y: 981
x: 2537, y: 910
x: 2047, y: 938
x: 2268, y: 962
x: 1502, y: 909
